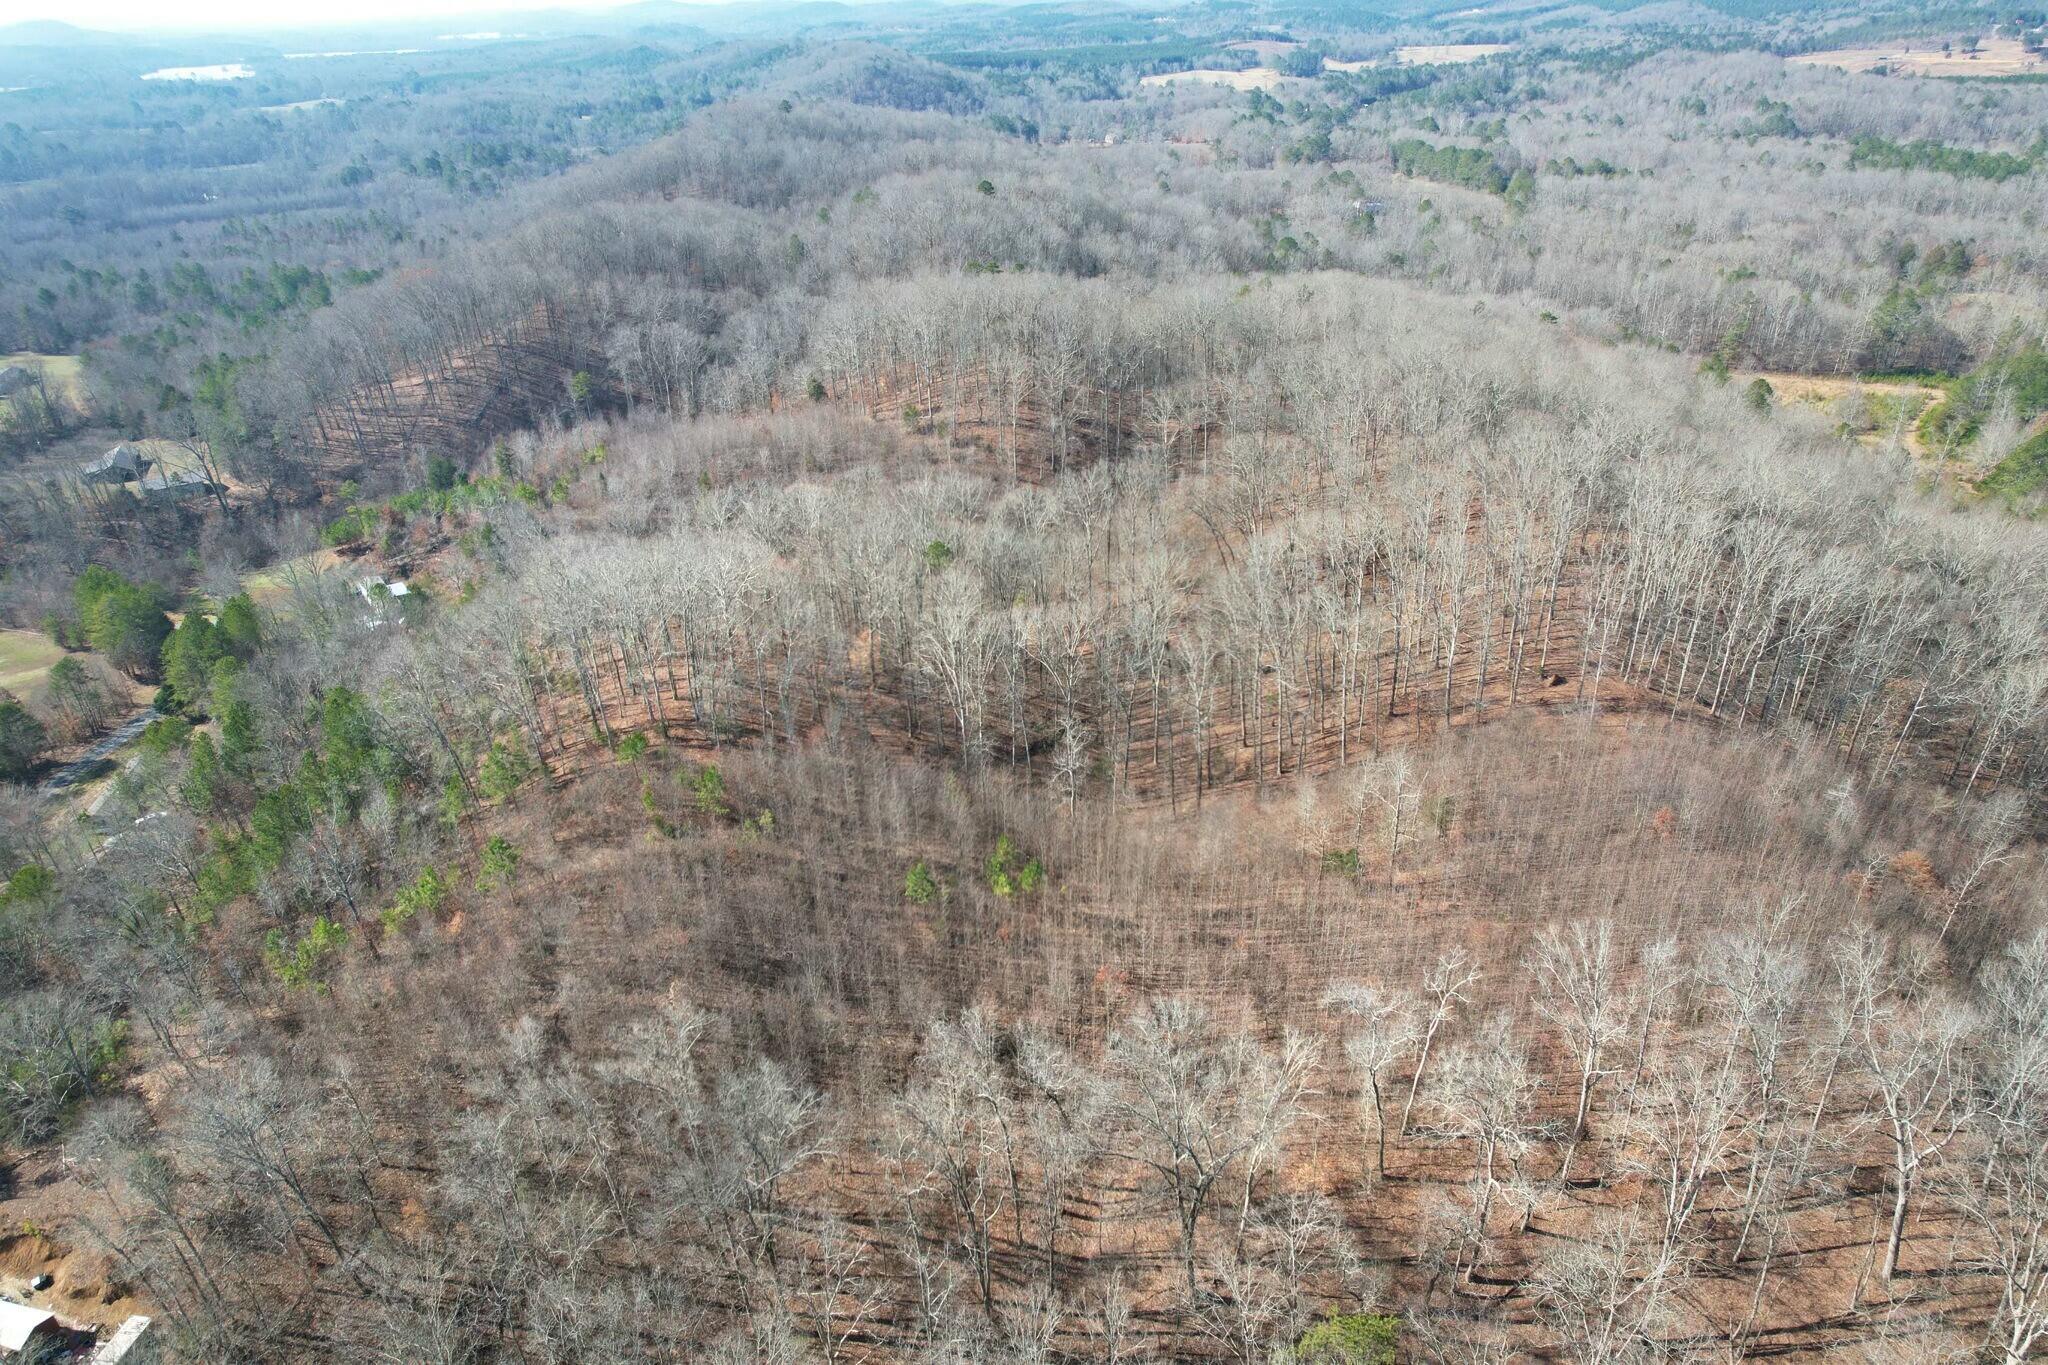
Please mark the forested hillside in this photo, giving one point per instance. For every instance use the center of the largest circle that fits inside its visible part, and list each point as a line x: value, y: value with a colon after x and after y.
x: 1087, y: 684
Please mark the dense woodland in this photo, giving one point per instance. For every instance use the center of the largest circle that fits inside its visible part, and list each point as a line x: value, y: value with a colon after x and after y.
x: 855, y: 685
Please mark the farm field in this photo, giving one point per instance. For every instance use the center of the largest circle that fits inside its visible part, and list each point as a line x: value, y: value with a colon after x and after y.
x: 62, y: 372
x: 1252, y: 78
x: 1448, y: 54
x: 1436, y: 54
x: 1267, y: 78
x: 25, y: 660
x: 1926, y: 57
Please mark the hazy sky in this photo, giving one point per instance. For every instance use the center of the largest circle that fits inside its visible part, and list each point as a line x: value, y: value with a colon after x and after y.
x: 271, y: 14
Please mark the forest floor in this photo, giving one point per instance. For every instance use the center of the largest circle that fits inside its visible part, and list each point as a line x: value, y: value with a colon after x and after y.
x: 1629, y: 812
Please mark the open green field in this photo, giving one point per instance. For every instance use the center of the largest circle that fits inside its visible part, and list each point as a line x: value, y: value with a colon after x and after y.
x: 267, y: 587
x: 25, y: 660
x: 65, y: 372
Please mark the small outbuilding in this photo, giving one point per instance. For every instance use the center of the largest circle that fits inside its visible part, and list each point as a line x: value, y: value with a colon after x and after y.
x: 123, y: 464
x: 374, y: 588
x: 380, y: 593
x: 130, y: 1345
x: 25, y: 1332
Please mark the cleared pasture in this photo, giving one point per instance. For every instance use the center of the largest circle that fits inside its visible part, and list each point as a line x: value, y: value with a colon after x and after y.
x: 1932, y: 57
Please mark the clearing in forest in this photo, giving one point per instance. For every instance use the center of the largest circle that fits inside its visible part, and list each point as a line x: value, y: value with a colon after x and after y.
x: 26, y: 657
x: 1265, y: 49
x: 61, y: 372
x: 1872, y: 409
x: 1447, y: 54
x: 1932, y: 57
x: 1266, y: 78
x: 1253, y: 78
x: 1428, y: 54
x: 267, y: 587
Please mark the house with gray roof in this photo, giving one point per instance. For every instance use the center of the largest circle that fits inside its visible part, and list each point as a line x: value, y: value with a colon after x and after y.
x: 123, y: 464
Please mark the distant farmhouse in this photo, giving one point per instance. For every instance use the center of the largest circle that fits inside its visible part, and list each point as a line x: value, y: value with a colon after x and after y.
x: 123, y: 464
x: 14, y: 378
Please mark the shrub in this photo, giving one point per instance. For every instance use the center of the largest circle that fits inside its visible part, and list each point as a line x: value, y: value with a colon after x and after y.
x: 662, y: 824
x: 356, y: 524
x: 709, y: 789
x: 30, y: 882
x: 503, y: 769
x: 427, y: 894
x: 1006, y: 875
x: 165, y: 735
x: 299, y: 964
x: 500, y: 857
x: 1351, y: 1339
x: 52, y: 1055
x: 454, y: 800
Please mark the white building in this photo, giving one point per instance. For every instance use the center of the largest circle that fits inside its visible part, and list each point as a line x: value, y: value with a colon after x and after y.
x: 23, y: 1330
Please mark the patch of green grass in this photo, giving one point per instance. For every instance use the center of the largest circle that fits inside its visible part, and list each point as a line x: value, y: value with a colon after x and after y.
x: 63, y: 372
x: 25, y: 660
x: 1933, y: 379
x: 1352, y: 1339
x: 1884, y: 411
x: 267, y: 587
x: 2023, y: 472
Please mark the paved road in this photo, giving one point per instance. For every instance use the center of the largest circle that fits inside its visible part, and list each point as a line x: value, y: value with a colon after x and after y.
x: 79, y: 769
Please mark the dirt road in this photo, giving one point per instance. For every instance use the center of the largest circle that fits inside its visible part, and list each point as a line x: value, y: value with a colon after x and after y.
x: 103, y: 748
